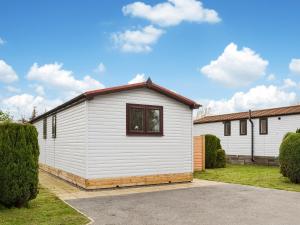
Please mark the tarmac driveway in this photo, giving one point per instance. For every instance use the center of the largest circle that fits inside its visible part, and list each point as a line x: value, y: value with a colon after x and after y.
x: 222, y: 204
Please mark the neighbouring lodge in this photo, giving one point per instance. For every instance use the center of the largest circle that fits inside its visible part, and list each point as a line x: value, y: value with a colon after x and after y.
x: 251, y: 136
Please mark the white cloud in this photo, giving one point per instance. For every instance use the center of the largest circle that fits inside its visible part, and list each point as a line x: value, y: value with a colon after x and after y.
x: 7, y: 74
x: 137, y: 40
x: 39, y: 89
x: 101, y: 68
x: 54, y: 75
x: 172, y: 12
x: 236, y: 67
x: 140, y: 77
x: 22, y: 105
x: 288, y: 83
x: 259, y: 97
x: 12, y: 89
x: 295, y: 66
x: 271, y: 77
x: 2, y: 42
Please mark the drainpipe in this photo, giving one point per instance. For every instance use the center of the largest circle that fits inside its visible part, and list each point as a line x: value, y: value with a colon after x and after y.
x: 252, y: 136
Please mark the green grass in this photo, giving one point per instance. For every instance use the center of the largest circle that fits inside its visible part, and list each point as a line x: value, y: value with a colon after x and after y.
x: 260, y: 176
x: 46, y: 209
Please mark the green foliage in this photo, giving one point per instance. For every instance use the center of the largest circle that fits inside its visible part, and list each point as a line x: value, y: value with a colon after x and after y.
x: 19, y: 152
x: 221, y: 159
x: 289, y: 157
x: 286, y: 135
x: 5, y: 117
x: 212, y: 144
x: 298, y: 130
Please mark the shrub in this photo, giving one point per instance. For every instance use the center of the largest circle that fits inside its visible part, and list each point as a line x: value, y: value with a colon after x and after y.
x: 289, y: 157
x: 298, y: 130
x: 19, y: 154
x: 286, y: 135
x: 221, y: 159
x: 212, y: 144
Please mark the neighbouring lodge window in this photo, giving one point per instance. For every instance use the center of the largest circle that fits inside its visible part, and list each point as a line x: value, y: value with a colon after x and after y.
x: 45, y: 128
x: 243, y: 127
x: 263, y: 125
x: 54, y: 126
x: 144, y: 120
x: 227, y: 128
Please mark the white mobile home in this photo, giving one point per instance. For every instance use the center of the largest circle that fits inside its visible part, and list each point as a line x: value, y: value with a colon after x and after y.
x: 251, y: 136
x: 127, y: 135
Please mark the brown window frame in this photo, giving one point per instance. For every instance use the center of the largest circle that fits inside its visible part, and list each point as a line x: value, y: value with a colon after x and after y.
x: 267, y: 128
x: 225, y: 122
x: 45, y: 128
x: 145, y: 120
x: 243, y: 121
x: 54, y: 126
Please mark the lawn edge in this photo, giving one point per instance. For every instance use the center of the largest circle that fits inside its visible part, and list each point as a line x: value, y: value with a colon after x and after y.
x: 248, y: 185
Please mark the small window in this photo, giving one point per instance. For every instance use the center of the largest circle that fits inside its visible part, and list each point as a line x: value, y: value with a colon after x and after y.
x: 54, y: 126
x: 45, y: 128
x: 144, y: 120
x: 227, y: 128
x: 263, y: 125
x: 243, y: 127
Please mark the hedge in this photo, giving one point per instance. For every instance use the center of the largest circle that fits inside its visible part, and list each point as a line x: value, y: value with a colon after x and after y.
x: 289, y: 157
x: 19, y: 152
x: 221, y: 159
x: 212, y: 144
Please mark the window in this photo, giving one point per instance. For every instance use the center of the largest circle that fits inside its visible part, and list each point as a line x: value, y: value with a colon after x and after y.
x: 45, y: 128
x: 263, y: 126
x: 243, y: 127
x: 227, y: 128
x: 54, y: 126
x: 144, y: 120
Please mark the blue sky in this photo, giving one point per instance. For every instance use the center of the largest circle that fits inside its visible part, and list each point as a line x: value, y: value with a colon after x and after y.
x: 54, y: 48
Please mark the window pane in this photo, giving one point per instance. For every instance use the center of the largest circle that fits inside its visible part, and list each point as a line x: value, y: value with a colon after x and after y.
x: 263, y: 126
x: 227, y: 129
x: 136, y: 119
x: 243, y: 127
x: 153, y: 120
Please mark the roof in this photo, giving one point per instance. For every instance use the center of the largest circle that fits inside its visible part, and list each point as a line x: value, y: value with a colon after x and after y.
x: 281, y: 111
x: 148, y: 84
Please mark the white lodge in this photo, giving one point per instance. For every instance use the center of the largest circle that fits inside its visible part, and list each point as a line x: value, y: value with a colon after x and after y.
x: 240, y: 144
x: 126, y: 135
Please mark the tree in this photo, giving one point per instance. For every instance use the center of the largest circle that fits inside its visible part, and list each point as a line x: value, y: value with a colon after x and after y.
x: 34, y: 113
x: 203, y: 111
x: 5, y: 117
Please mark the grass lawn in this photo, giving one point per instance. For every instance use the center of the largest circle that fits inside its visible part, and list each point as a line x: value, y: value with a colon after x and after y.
x: 260, y: 176
x: 45, y: 209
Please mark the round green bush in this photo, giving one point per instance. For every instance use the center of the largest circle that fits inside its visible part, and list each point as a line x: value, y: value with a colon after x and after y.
x: 286, y: 135
x: 19, y: 152
x: 212, y: 144
x: 289, y: 157
x: 221, y: 159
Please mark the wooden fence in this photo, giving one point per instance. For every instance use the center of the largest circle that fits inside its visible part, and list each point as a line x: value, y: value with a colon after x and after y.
x: 199, y: 153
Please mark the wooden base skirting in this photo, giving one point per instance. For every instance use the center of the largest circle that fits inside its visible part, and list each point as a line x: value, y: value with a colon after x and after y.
x: 118, y: 181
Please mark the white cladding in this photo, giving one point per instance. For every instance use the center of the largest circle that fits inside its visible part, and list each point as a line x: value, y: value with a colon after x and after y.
x: 91, y: 138
x: 68, y: 150
x: 113, y: 154
x: 264, y: 145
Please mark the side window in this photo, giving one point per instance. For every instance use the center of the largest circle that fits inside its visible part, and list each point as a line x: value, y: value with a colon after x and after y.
x: 45, y: 128
x: 227, y: 128
x: 243, y: 127
x: 263, y: 126
x: 54, y: 126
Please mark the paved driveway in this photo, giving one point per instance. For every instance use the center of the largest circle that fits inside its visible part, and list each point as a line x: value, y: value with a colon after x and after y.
x: 225, y: 204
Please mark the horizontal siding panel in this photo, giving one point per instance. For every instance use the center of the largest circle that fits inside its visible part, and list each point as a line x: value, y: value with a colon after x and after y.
x: 111, y: 153
x: 68, y: 151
